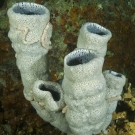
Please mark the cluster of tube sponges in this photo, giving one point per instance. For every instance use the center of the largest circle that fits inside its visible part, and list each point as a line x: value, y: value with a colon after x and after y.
x: 86, y: 99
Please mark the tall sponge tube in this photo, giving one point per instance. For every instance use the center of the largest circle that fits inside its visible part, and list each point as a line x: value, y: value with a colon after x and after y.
x: 30, y: 33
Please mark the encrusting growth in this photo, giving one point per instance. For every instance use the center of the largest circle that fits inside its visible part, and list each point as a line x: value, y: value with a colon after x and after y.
x: 24, y: 34
x: 45, y: 39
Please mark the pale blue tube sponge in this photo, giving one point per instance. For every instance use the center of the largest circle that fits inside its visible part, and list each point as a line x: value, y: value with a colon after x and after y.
x: 30, y: 33
x: 94, y: 37
x: 84, y: 92
x: 48, y: 102
x: 89, y: 97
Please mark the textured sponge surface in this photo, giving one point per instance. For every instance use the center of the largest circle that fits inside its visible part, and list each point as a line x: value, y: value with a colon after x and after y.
x: 84, y: 92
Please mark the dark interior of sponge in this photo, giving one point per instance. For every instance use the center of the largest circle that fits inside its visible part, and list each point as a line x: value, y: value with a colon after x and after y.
x: 79, y: 57
x: 115, y: 74
x: 29, y: 9
x: 55, y: 93
x: 96, y: 30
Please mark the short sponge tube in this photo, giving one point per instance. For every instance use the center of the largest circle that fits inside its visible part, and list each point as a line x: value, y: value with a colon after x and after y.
x: 114, y: 82
x: 94, y: 37
x: 49, y: 95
